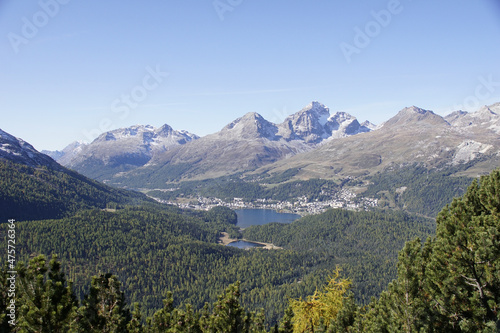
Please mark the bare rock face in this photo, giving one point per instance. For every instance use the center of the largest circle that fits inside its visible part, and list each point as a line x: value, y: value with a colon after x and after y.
x: 314, y: 124
x: 487, y: 117
x: 307, y: 125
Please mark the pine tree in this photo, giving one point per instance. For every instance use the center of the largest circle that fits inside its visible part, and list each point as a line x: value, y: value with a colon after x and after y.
x: 135, y: 325
x: 162, y: 319
x: 104, y: 308
x: 47, y: 303
x: 5, y: 327
x: 227, y: 316
x: 346, y: 316
x: 464, y: 270
x: 286, y: 323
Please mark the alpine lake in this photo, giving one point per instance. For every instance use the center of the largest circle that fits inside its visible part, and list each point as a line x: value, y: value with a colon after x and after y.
x: 249, y: 217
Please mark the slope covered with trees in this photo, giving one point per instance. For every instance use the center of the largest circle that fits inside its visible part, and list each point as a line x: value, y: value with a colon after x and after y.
x: 365, y: 243
x: 449, y: 283
x: 28, y: 193
x: 154, y: 249
x: 417, y: 189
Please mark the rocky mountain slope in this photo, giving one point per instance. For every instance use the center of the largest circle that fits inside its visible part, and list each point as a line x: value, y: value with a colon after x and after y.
x: 121, y: 150
x: 245, y: 144
x: 313, y: 124
x: 67, y: 154
x: 414, y: 135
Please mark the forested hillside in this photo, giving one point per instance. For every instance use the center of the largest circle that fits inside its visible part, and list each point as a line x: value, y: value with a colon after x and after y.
x: 365, y: 244
x: 417, y: 189
x: 449, y: 283
x: 28, y: 193
x: 155, y: 249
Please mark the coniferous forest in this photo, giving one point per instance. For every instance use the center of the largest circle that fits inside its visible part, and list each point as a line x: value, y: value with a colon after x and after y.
x: 152, y: 268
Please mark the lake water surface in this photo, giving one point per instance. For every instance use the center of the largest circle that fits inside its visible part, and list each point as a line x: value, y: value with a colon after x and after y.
x: 244, y: 245
x: 248, y: 217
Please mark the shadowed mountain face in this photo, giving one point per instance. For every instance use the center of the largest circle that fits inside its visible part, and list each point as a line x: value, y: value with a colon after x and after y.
x: 414, y: 135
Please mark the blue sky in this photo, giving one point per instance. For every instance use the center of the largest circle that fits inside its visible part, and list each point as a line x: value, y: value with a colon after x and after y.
x: 71, y: 69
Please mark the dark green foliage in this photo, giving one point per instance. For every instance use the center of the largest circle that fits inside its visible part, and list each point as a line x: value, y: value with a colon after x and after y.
x: 45, y: 301
x: 96, y: 169
x: 34, y: 194
x: 451, y: 283
x: 104, y: 309
x: 286, y: 324
x: 421, y: 190
x: 5, y: 327
x: 49, y: 305
x: 464, y: 268
x: 365, y: 243
x: 135, y: 323
x: 346, y: 316
x: 172, y: 319
x: 221, y: 214
x: 177, y: 251
x: 172, y: 251
x: 228, y: 314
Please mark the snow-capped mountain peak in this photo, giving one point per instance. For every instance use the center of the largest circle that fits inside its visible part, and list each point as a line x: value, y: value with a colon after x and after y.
x: 19, y: 151
x: 123, y: 148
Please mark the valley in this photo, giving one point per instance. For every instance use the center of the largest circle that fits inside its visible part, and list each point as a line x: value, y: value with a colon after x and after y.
x: 300, y: 205
x: 161, y: 202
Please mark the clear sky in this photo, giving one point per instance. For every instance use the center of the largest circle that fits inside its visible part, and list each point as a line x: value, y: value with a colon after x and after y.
x: 70, y: 69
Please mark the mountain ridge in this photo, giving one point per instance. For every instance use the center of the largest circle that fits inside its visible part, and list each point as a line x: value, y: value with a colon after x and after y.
x: 34, y: 186
x: 246, y: 143
x: 19, y: 151
x: 413, y: 135
x: 122, y: 149
x: 319, y: 143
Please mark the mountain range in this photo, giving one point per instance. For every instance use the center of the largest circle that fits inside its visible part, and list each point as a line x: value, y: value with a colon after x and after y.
x: 414, y: 135
x: 313, y: 141
x: 33, y: 186
x: 247, y: 143
x: 120, y: 150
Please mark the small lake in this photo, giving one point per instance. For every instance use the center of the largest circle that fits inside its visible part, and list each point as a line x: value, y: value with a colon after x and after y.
x: 244, y: 245
x: 249, y: 217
